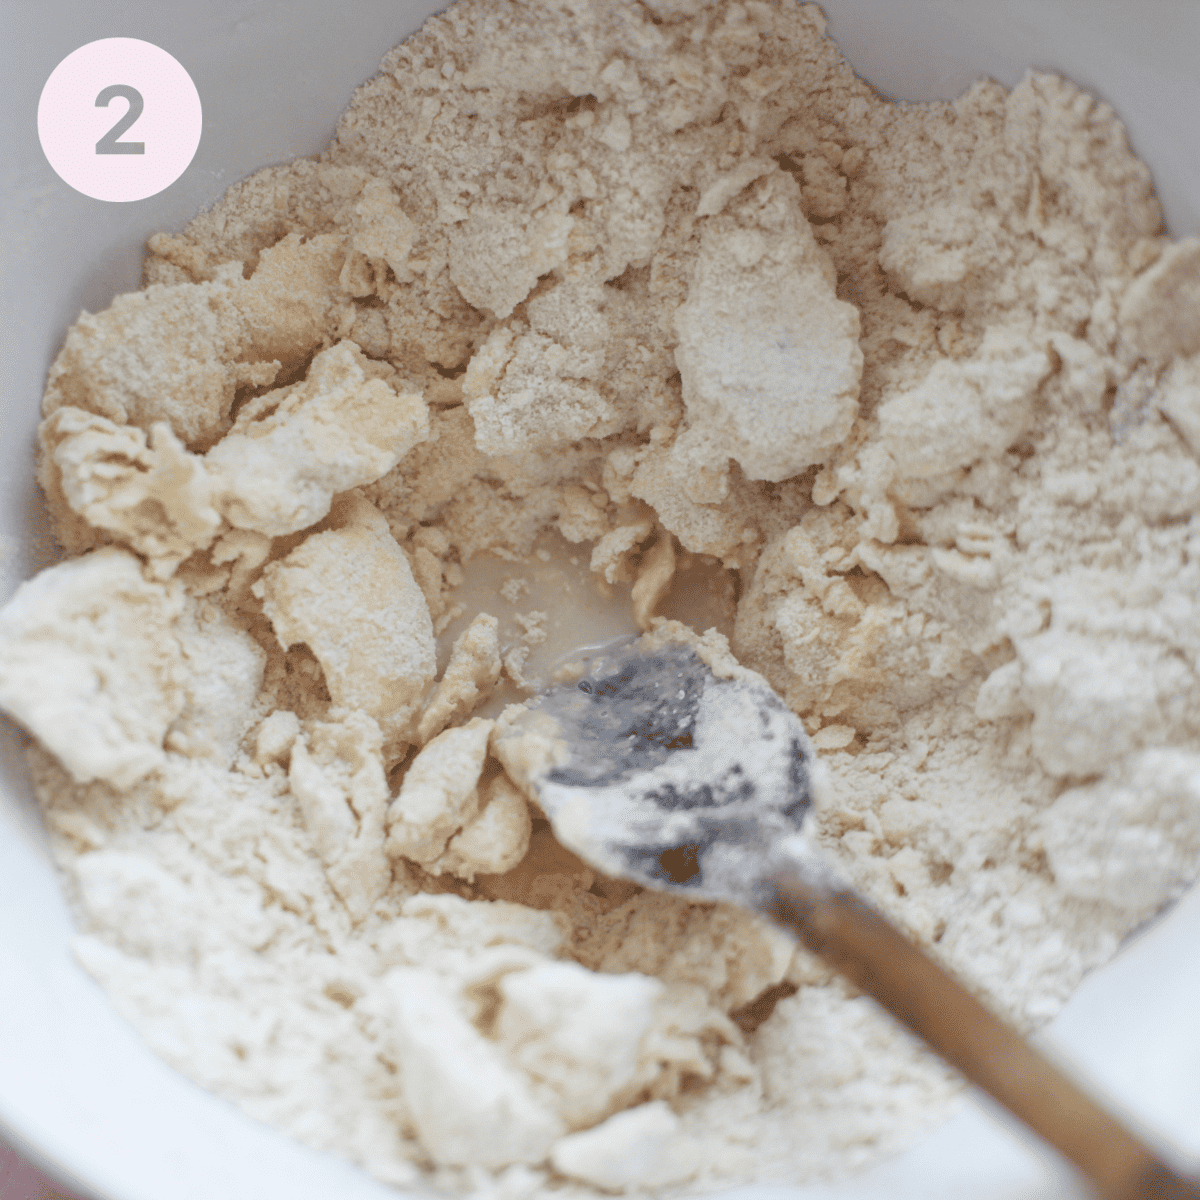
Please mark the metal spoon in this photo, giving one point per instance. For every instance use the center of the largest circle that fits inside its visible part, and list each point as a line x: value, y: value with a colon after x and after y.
x: 653, y: 769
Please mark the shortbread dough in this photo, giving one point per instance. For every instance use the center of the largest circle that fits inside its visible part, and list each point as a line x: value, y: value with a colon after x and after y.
x: 912, y: 391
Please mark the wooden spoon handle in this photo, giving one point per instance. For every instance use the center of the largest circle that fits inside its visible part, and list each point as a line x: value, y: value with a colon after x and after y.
x: 879, y: 960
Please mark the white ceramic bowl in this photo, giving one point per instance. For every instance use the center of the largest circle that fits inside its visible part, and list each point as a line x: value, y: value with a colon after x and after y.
x: 78, y: 1090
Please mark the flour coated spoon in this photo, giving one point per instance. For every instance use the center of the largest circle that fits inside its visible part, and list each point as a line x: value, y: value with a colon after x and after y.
x: 653, y: 769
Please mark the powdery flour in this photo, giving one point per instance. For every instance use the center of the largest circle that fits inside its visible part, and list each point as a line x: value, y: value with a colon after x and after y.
x: 915, y: 388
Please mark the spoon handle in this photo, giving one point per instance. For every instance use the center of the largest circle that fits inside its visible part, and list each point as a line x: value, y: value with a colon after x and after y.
x: 851, y: 935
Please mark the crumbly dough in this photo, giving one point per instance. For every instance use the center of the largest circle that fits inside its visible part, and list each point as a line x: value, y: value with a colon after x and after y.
x: 472, y: 672
x: 918, y: 383
x: 377, y: 653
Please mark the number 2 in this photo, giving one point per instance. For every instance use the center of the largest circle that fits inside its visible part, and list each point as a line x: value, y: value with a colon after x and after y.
x: 108, y: 144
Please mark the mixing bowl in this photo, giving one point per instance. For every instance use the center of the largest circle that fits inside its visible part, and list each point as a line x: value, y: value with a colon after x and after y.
x: 78, y: 1090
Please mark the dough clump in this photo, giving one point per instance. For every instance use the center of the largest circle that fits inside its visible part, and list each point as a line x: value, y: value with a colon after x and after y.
x: 914, y: 389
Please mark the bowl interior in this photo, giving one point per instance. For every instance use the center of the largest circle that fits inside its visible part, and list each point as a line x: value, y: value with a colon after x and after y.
x: 79, y: 1091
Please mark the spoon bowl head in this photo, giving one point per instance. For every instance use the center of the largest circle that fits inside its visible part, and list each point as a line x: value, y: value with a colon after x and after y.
x: 654, y: 769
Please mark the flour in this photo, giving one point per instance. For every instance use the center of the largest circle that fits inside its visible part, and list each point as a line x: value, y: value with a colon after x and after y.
x: 911, y: 392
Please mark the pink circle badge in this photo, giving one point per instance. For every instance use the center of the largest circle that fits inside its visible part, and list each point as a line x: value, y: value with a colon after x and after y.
x: 119, y: 119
